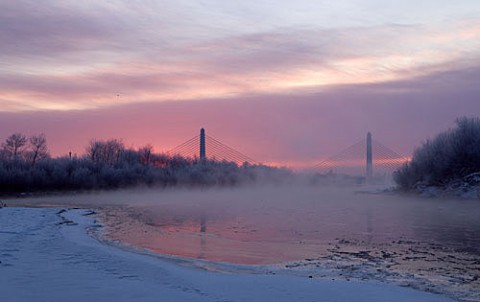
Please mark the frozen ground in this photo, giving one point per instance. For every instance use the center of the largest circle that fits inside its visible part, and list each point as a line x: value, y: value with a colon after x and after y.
x: 47, y: 255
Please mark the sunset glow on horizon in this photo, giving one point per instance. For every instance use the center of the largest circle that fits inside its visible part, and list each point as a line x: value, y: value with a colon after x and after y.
x: 282, y: 82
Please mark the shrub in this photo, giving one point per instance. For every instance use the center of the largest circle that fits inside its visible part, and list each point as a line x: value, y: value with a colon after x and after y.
x: 109, y: 165
x: 449, y: 156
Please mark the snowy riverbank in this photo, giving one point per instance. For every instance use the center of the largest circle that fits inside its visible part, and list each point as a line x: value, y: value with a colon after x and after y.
x: 48, y: 256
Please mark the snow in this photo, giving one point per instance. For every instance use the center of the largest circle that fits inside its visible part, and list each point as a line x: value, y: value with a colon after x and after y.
x: 49, y: 256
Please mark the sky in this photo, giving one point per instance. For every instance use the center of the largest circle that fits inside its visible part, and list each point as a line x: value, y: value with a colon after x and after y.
x: 285, y: 82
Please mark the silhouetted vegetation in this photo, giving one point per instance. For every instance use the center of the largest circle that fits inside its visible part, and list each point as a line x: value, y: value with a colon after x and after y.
x: 25, y: 166
x: 452, y: 158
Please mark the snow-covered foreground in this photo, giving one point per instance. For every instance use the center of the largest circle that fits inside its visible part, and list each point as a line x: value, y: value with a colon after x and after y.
x: 48, y: 256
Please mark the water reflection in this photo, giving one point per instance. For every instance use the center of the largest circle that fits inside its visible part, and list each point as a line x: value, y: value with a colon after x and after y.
x: 203, y: 239
x: 369, y: 224
x: 267, y: 226
x: 203, y: 223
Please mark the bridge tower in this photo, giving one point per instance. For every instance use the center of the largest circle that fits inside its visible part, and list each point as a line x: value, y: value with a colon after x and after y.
x: 369, y: 169
x: 203, y: 154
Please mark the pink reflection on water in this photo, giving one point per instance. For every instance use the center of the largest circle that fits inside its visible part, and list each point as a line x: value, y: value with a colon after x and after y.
x: 272, y: 227
x: 216, y: 238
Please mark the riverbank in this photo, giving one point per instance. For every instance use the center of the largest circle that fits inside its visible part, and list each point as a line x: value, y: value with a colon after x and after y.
x: 426, y: 266
x: 322, y: 232
x: 47, y: 255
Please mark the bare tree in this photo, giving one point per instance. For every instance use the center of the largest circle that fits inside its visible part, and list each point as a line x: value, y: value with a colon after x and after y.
x: 93, y: 150
x: 112, y: 150
x: 14, y: 145
x: 107, y: 152
x: 39, y: 150
x: 146, y: 154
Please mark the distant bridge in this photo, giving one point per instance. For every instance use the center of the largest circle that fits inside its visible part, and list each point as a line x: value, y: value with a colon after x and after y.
x: 196, y: 147
x: 367, y: 157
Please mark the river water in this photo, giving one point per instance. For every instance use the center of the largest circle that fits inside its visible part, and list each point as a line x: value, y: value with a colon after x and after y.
x: 277, y: 224
x: 325, y: 232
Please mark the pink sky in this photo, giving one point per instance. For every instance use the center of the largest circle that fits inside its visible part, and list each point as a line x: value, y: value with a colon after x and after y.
x: 283, y: 82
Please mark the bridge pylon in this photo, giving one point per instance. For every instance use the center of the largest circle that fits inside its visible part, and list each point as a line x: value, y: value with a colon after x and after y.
x: 203, y: 153
x: 358, y: 160
x: 369, y: 159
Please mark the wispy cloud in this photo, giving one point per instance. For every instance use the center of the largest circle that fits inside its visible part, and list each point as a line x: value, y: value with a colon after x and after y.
x: 304, y: 129
x: 61, y: 56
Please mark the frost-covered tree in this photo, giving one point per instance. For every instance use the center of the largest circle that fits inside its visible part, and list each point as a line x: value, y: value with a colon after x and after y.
x: 145, y: 153
x: 105, y: 152
x: 108, y: 164
x: 449, y: 156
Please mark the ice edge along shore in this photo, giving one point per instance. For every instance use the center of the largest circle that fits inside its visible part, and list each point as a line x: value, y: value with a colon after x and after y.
x: 47, y: 255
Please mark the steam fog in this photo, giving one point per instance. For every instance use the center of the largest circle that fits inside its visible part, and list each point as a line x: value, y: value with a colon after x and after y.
x: 271, y: 224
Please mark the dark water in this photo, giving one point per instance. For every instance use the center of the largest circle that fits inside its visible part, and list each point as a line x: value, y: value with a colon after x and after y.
x: 270, y: 225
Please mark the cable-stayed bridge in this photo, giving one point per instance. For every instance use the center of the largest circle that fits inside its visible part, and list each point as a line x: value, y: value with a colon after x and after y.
x: 367, y: 157
x: 196, y: 148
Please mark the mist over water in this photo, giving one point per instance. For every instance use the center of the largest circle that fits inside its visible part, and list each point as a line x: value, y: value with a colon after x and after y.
x: 270, y: 224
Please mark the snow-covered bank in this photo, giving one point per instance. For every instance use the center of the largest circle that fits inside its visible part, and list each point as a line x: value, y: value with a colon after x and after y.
x: 46, y: 256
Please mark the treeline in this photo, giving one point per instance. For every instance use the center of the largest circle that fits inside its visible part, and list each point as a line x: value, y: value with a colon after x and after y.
x: 25, y: 166
x: 451, y: 158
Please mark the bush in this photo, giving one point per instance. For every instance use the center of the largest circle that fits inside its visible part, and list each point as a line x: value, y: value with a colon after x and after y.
x: 122, y: 168
x: 450, y: 156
